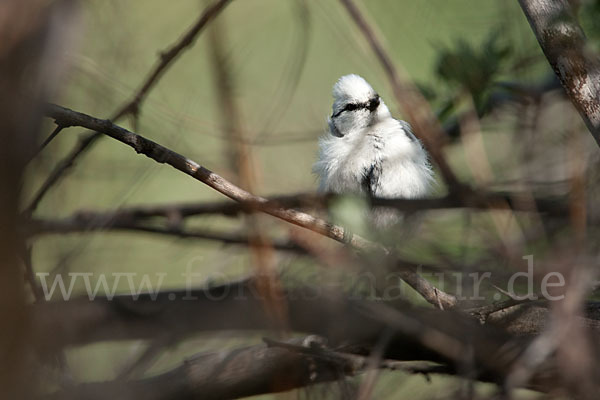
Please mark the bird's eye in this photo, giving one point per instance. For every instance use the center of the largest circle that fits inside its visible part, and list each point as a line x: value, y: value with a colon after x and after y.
x: 350, y: 107
x: 373, y: 104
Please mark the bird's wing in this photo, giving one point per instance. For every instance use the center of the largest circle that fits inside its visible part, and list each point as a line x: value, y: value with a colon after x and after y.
x: 407, y: 129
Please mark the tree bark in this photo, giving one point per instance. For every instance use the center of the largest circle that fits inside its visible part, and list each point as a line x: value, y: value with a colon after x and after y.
x: 564, y: 44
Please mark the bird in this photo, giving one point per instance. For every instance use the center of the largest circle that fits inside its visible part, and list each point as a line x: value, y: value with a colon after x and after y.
x: 366, y: 152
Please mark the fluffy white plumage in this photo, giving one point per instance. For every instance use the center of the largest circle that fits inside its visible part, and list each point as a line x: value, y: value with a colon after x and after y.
x: 366, y: 151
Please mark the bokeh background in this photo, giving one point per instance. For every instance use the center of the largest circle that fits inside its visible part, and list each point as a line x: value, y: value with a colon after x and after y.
x: 283, y: 57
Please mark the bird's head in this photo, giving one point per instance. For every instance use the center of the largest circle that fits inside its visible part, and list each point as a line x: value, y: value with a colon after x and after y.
x: 355, y: 106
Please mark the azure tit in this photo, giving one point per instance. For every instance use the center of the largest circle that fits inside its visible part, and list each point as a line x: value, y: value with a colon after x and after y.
x: 367, y: 152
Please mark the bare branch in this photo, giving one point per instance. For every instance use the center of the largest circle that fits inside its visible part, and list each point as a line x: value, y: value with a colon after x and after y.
x: 51, y: 137
x: 564, y: 44
x: 161, y: 154
x: 479, y: 200
x: 89, y: 223
x: 241, y: 372
x: 239, y: 306
x: 348, y: 325
x: 132, y: 106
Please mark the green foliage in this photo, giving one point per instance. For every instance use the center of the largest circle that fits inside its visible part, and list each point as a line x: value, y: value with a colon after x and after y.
x: 474, y: 69
x: 589, y: 18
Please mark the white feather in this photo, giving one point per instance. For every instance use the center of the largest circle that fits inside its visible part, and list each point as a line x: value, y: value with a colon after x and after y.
x: 370, y: 139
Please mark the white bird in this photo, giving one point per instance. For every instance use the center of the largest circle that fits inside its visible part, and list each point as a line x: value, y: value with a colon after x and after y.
x: 367, y: 152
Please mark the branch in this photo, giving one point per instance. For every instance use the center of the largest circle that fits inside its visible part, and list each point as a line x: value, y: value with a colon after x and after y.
x: 556, y: 206
x: 133, y: 105
x: 356, y: 325
x: 227, y: 374
x: 90, y: 223
x: 564, y: 44
x: 161, y: 154
x: 418, y: 333
x: 241, y: 372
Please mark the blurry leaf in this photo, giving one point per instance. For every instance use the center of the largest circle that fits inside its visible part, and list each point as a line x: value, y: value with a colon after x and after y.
x: 472, y: 68
x: 427, y: 91
x: 589, y: 18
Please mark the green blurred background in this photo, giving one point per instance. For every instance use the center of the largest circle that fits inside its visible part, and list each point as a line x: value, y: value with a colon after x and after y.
x: 264, y: 44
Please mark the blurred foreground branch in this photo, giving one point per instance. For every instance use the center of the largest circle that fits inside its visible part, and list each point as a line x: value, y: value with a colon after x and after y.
x: 89, y: 223
x: 555, y: 206
x: 266, y: 368
x: 350, y: 326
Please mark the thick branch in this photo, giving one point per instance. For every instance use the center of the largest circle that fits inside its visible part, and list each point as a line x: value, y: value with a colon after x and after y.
x: 417, y: 333
x: 564, y: 44
x: 242, y: 372
x: 357, y: 325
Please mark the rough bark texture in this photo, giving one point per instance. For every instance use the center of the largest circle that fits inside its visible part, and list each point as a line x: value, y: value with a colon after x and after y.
x: 225, y: 374
x: 564, y: 44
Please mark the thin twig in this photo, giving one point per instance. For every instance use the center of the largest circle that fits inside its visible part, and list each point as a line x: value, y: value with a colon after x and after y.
x: 352, y: 364
x: 517, y: 201
x: 54, y: 133
x: 132, y: 106
x: 78, y: 224
x: 484, y: 311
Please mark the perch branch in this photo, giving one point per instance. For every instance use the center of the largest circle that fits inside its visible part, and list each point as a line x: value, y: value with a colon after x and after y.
x: 161, y: 154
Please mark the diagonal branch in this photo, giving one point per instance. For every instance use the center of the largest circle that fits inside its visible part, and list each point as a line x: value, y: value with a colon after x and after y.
x: 132, y: 106
x: 161, y: 154
x: 561, y: 38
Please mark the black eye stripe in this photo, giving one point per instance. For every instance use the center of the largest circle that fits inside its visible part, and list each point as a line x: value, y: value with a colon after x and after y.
x: 371, y: 105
